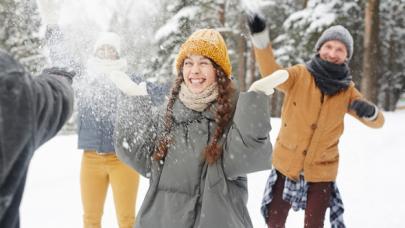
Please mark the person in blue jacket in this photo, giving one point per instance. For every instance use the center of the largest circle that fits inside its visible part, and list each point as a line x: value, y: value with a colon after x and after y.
x: 98, y: 91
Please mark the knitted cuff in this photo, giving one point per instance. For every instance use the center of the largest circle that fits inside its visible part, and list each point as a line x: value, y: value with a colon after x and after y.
x: 374, y: 116
x: 261, y: 40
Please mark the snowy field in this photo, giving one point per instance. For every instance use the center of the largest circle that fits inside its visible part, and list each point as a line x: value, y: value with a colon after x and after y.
x: 371, y: 181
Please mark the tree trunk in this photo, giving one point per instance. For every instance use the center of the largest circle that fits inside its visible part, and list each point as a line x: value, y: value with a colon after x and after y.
x: 251, y: 68
x: 221, y: 13
x: 276, y: 103
x: 369, y: 84
x: 305, y: 4
x: 240, y: 53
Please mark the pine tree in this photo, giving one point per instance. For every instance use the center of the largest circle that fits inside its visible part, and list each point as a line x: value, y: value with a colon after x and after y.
x: 392, y: 59
x: 19, y: 26
x: 181, y: 17
x: 237, y: 38
x: 135, y: 25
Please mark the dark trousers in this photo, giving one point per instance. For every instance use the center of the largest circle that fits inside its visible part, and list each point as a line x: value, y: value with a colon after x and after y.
x: 318, y: 197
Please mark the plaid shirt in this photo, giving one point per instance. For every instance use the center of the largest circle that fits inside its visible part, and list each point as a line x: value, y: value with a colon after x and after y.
x: 296, y: 194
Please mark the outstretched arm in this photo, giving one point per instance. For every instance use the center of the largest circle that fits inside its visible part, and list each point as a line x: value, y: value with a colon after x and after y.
x: 365, y: 111
x: 248, y: 148
x: 52, y: 96
x: 135, y: 133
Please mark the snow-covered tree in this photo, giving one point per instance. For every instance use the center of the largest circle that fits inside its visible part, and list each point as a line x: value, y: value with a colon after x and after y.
x: 180, y: 18
x: 237, y: 37
x: 19, y: 26
x: 135, y: 22
x: 392, y: 46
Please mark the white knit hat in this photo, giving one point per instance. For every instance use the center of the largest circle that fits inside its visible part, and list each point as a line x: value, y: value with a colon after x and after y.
x: 111, y: 39
x: 337, y: 32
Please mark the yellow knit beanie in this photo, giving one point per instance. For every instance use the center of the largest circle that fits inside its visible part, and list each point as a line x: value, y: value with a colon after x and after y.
x: 208, y: 43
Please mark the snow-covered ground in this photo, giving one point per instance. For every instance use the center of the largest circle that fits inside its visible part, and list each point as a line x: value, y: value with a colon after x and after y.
x: 370, y: 179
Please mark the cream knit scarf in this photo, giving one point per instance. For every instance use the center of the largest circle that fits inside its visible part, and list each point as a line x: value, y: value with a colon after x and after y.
x: 105, y: 66
x: 198, y: 101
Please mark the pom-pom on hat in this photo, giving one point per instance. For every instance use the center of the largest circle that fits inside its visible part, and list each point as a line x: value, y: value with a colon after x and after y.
x: 336, y: 32
x: 208, y: 43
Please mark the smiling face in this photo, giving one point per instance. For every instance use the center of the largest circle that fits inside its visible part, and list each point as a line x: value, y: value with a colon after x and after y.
x: 333, y: 51
x: 106, y: 52
x: 198, y: 73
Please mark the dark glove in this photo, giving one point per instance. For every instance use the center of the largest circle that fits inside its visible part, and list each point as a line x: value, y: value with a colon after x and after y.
x: 64, y: 72
x: 256, y: 23
x: 363, y: 108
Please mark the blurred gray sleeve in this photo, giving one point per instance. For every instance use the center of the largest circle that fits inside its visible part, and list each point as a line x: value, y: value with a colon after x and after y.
x: 135, y: 132
x: 248, y: 148
x: 53, y: 99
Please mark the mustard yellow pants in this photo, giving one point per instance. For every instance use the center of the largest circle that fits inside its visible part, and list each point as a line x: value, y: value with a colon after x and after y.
x: 97, y: 172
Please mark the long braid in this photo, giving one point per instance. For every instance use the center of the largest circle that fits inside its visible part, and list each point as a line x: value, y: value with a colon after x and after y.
x: 223, y: 115
x: 165, y: 138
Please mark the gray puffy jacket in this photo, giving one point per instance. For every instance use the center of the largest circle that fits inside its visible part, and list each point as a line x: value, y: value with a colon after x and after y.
x: 184, y: 190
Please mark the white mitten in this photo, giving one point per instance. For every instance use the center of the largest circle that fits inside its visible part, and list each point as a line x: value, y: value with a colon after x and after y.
x: 126, y: 85
x: 268, y: 83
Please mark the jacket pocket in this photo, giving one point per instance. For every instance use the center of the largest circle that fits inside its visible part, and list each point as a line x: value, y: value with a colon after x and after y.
x: 286, y: 144
x: 328, y: 156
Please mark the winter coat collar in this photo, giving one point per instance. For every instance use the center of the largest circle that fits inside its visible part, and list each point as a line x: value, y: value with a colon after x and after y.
x: 330, y: 78
x: 182, y: 114
x: 97, y: 66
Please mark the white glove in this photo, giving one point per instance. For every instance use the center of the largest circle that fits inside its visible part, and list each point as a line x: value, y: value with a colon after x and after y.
x: 126, y: 85
x: 268, y: 83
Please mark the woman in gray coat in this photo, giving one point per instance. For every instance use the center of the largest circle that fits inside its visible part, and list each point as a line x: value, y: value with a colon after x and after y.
x: 198, y: 154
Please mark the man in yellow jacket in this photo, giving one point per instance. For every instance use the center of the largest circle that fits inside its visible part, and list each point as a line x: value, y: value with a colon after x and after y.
x: 318, y: 94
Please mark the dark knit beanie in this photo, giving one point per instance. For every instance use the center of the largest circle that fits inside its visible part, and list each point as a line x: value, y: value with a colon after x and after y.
x: 336, y: 32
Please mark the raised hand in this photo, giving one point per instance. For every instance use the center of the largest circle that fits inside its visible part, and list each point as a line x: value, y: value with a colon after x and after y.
x: 256, y: 23
x: 259, y: 32
x: 60, y: 71
x: 267, y: 84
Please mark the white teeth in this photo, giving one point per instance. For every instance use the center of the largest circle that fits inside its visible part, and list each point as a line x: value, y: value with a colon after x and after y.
x: 195, y: 80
